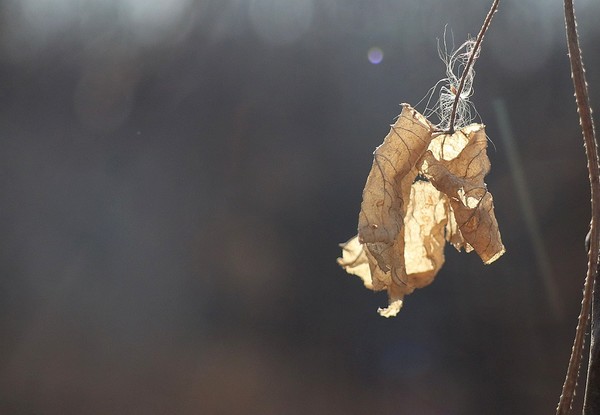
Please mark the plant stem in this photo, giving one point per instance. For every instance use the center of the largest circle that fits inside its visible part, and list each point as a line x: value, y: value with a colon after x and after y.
x: 484, y: 28
x: 591, y: 404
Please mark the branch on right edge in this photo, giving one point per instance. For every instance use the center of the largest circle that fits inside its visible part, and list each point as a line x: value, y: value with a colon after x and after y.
x: 592, y: 396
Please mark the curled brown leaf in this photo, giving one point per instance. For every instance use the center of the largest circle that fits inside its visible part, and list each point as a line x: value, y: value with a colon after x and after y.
x: 424, y: 188
x: 461, y: 178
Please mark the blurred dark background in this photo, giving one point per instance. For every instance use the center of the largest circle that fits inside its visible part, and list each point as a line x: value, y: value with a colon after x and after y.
x: 175, y: 177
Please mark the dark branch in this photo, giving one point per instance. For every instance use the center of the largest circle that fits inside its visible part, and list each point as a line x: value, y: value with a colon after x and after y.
x: 592, y: 399
x: 484, y: 28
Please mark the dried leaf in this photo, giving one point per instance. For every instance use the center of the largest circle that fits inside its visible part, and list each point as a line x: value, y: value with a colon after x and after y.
x: 424, y: 223
x: 456, y: 165
x: 385, y: 200
x: 387, y: 190
x: 405, y: 221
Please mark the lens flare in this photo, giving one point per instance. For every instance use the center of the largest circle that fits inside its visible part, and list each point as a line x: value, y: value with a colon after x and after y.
x: 375, y: 55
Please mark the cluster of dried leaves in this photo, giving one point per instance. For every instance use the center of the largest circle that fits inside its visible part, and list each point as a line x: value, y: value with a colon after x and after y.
x: 424, y: 188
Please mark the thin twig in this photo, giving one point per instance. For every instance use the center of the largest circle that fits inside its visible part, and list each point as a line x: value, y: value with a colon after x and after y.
x: 591, y: 150
x: 486, y: 24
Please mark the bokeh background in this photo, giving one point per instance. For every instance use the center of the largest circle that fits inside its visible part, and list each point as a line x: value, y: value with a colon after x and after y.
x: 175, y: 177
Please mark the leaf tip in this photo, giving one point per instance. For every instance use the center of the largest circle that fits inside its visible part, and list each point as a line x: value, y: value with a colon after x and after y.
x: 392, y: 309
x: 495, y: 256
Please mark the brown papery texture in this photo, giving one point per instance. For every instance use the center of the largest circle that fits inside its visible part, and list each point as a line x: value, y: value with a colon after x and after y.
x: 385, y: 202
x: 461, y: 179
x: 424, y: 188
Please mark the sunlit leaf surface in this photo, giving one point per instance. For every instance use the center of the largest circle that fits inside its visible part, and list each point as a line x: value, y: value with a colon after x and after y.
x: 424, y: 188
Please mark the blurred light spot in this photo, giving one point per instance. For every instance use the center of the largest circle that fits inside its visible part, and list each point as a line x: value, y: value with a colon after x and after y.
x: 47, y: 16
x: 280, y: 22
x: 375, y: 55
x: 159, y: 20
x: 29, y: 25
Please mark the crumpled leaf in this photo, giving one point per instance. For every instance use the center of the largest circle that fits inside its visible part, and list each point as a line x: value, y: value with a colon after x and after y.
x: 385, y: 200
x: 460, y: 177
x: 426, y: 217
x: 389, y: 181
x: 424, y: 189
